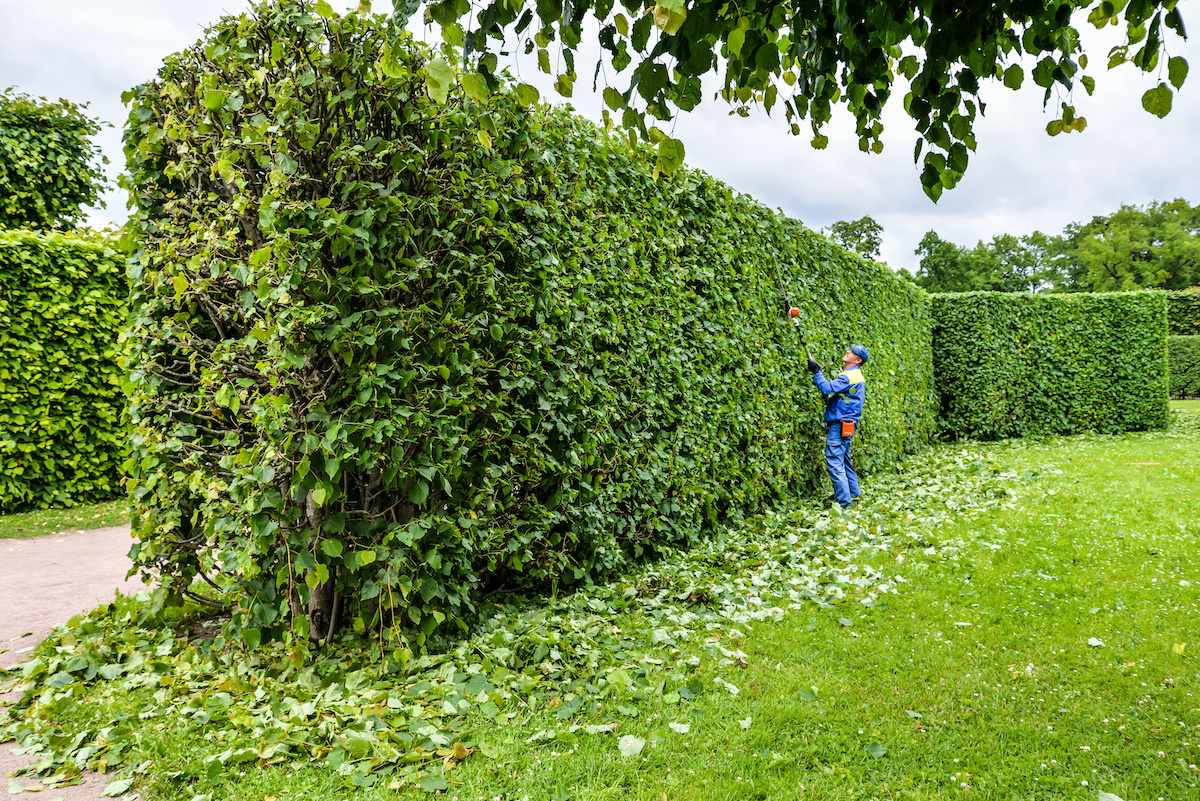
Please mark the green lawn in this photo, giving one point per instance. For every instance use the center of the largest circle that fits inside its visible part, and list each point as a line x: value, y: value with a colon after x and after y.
x: 56, y: 521
x: 1009, y: 621
x: 1188, y: 405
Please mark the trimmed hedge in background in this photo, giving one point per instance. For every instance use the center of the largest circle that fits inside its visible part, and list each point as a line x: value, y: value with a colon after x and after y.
x: 1183, y: 311
x: 1013, y: 365
x: 1184, y: 358
x: 49, y: 168
x: 63, y: 299
x: 438, y: 351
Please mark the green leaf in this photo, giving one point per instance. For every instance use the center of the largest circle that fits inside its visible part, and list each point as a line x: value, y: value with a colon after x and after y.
x: 332, y: 548
x: 252, y: 637
x: 735, y: 40
x: 116, y: 787
x: 1014, y: 76
x: 527, y: 95
x: 1043, y: 73
x: 111, y: 671
x: 357, y: 744
x: 439, y: 77
x: 364, y: 558
x: 613, y: 99
x: 324, y: 10
x: 565, y: 84
x: 668, y: 18
x: 670, y: 155
x: 876, y: 750
x: 15, y: 787
x: 389, y: 65
x: 214, y: 99
x: 418, y: 492
x: 807, y: 693
x: 475, y: 87
x: 453, y: 34
x: 630, y: 746
x: 433, y: 784
x: 1177, y: 70
x: 1158, y: 100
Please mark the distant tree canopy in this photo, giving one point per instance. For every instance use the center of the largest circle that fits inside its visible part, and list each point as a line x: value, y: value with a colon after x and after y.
x: 1006, y: 264
x: 49, y: 167
x: 1156, y: 246
x: 861, y: 236
x: 807, y: 56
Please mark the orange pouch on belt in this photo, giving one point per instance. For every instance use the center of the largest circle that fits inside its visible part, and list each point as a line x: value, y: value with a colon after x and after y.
x: 847, y: 428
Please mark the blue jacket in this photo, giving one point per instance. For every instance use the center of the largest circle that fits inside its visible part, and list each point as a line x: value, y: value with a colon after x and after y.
x: 844, y: 395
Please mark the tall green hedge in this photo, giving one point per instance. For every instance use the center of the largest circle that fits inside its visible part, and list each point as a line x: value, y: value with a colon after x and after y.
x: 1184, y: 357
x: 62, y: 302
x: 393, y: 354
x: 49, y: 168
x: 1013, y: 365
x: 1183, y: 311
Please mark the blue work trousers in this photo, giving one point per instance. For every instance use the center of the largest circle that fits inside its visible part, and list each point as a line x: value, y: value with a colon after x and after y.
x: 837, y: 461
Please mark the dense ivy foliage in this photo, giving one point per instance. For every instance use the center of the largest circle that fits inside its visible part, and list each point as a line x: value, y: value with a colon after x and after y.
x: 1013, y: 365
x: 1183, y: 353
x: 392, y: 355
x: 62, y: 303
x: 49, y: 168
x: 1183, y: 312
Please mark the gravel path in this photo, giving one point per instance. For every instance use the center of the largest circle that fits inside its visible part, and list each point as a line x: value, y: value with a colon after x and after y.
x: 46, y: 581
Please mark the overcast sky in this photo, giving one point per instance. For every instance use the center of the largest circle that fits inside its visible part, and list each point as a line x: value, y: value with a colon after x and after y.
x: 1019, y: 180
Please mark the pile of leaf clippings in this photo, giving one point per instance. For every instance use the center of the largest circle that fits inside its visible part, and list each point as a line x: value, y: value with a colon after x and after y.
x: 585, y: 660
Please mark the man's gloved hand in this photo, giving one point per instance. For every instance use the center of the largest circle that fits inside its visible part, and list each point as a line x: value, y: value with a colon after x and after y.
x: 813, y: 367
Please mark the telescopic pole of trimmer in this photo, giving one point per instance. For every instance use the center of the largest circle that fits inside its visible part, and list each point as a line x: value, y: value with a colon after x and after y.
x: 794, y: 315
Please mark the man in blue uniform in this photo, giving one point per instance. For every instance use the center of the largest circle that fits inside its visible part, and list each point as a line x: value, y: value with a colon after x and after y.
x: 844, y: 397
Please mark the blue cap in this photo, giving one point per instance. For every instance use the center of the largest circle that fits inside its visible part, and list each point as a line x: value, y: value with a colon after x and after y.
x: 860, y: 352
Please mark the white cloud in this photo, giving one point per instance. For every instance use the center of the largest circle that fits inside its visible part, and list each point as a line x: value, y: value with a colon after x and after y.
x: 1020, y: 180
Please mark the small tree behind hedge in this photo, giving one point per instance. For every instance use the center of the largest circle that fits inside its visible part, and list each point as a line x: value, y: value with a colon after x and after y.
x: 394, y: 354
x: 49, y: 167
x: 62, y: 303
x: 1184, y: 357
x: 1013, y: 365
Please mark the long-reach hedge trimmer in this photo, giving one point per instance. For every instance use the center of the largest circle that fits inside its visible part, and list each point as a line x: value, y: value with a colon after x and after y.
x: 793, y: 314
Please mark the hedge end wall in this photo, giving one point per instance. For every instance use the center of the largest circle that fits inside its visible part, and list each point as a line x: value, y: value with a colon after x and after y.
x: 438, y: 351
x: 62, y: 303
x: 1183, y: 312
x: 1184, y: 357
x: 1013, y: 365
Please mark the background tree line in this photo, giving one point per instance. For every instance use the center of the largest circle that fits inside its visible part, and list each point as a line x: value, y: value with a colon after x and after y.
x: 1157, y: 245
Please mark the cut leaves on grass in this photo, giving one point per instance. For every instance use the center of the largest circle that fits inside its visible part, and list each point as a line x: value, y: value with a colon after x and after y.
x: 628, y: 684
